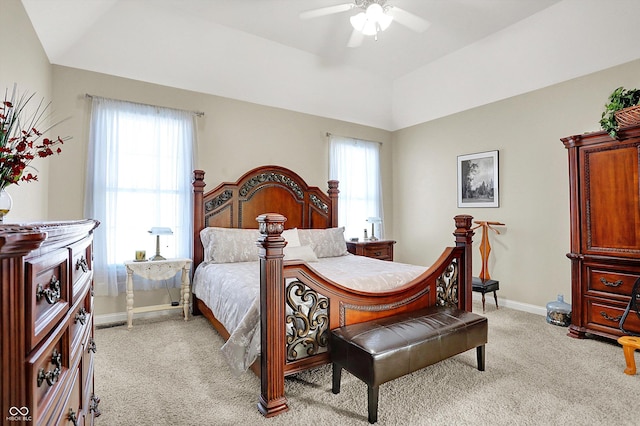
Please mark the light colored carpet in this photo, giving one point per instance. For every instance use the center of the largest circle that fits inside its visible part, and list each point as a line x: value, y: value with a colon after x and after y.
x: 169, y: 372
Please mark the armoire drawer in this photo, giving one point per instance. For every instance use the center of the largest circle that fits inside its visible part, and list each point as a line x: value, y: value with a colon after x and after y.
x: 47, y: 295
x: 609, y: 280
x: 601, y: 314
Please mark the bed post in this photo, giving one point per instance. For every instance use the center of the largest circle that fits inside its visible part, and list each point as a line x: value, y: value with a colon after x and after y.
x: 198, y: 216
x: 272, y: 312
x: 333, y: 195
x: 464, y: 238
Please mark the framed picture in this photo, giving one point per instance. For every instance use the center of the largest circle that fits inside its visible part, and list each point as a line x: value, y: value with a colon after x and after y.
x: 478, y: 180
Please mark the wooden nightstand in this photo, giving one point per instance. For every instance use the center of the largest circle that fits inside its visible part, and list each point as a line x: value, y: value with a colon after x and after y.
x: 379, y: 249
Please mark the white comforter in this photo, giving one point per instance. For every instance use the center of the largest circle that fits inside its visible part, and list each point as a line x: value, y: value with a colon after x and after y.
x: 232, y: 292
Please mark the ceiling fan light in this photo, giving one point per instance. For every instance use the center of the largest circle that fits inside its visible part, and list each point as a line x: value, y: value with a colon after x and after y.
x: 358, y: 21
x: 385, y: 21
x: 374, y: 11
x: 370, y: 28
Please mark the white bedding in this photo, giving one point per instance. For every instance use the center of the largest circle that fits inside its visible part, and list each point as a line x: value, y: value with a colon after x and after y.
x: 232, y: 292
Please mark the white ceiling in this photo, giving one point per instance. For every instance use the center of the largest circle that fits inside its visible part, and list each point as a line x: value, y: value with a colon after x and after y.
x: 261, y: 51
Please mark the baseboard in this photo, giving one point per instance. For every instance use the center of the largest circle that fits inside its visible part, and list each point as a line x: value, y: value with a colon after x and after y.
x: 526, y: 307
x: 119, y: 318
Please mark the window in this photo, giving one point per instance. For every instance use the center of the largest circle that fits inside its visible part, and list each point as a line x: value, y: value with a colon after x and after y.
x: 356, y: 164
x: 139, y: 169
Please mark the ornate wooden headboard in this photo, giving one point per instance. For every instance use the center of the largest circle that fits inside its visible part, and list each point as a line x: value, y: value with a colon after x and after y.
x: 266, y: 189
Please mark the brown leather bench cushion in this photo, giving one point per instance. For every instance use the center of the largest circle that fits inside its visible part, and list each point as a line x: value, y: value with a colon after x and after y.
x: 381, y: 350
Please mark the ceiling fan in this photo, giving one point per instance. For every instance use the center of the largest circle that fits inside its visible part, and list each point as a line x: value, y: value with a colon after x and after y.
x: 374, y: 16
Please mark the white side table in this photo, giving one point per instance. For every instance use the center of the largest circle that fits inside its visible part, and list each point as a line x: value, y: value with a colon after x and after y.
x: 158, y: 270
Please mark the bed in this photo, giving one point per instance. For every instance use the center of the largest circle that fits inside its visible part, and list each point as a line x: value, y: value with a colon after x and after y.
x: 296, y: 304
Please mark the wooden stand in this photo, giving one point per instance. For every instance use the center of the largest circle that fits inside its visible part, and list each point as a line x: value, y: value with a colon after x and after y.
x: 484, y: 283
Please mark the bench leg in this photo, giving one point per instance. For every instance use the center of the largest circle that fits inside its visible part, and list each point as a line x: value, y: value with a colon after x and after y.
x: 372, y: 394
x: 495, y: 296
x: 337, y: 374
x: 483, y: 302
x: 480, y: 356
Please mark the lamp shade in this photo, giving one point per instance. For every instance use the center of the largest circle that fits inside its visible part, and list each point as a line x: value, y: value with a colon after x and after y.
x: 157, y: 230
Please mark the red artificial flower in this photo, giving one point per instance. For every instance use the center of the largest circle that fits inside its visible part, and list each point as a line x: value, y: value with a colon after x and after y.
x: 18, y: 146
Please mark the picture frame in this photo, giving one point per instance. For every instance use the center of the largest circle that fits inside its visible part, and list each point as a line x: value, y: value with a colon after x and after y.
x: 478, y: 180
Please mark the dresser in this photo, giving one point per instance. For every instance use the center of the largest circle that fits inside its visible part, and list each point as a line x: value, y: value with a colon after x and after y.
x: 47, y: 347
x: 605, y: 230
x: 378, y: 249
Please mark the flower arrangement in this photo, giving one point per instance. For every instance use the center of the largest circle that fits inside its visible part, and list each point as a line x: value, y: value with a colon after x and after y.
x: 20, y: 139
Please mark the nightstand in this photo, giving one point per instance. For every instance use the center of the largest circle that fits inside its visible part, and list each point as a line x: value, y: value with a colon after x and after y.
x: 378, y: 249
x: 158, y: 270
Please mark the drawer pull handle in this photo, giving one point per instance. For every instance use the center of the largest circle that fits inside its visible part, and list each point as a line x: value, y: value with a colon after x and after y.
x: 81, y: 316
x: 82, y: 264
x: 610, y: 318
x: 611, y: 283
x: 378, y: 253
x: 91, y: 347
x: 51, y: 293
x: 93, y: 407
x: 51, y: 376
x: 73, y: 417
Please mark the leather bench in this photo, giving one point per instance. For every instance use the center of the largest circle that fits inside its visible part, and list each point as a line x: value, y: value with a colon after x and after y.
x: 384, y: 349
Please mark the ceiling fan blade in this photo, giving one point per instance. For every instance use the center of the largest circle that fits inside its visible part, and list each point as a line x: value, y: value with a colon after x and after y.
x: 329, y: 10
x: 409, y: 20
x: 356, y: 38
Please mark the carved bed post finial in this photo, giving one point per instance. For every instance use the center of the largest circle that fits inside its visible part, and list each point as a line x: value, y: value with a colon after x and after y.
x: 272, y: 315
x: 333, y: 195
x: 198, y: 216
x: 464, y: 238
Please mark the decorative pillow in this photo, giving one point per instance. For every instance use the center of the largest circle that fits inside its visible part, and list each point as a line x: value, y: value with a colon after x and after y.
x: 291, y: 237
x: 324, y: 242
x: 301, y: 253
x: 229, y: 245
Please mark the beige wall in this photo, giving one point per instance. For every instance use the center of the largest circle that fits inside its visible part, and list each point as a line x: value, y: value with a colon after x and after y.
x: 26, y: 65
x: 234, y: 136
x: 528, y: 257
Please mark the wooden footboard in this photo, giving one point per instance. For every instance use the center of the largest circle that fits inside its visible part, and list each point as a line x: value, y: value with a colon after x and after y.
x: 290, y: 327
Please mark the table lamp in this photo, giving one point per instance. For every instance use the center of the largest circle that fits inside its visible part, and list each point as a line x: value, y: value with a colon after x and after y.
x: 157, y: 231
x: 373, y: 221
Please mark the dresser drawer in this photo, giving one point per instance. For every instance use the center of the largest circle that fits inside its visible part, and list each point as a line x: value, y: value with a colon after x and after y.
x: 71, y: 412
x: 47, y: 286
x: 609, y: 280
x: 81, y: 260
x: 80, y: 325
x: 90, y: 401
x: 48, y: 368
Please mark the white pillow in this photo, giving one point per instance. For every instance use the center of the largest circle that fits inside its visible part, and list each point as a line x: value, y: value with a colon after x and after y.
x: 229, y: 245
x: 291, y: 237
x: 328, y: 242
x: 300, y: 253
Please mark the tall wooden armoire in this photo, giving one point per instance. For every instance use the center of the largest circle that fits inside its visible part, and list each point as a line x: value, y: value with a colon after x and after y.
x: 605, y: 230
